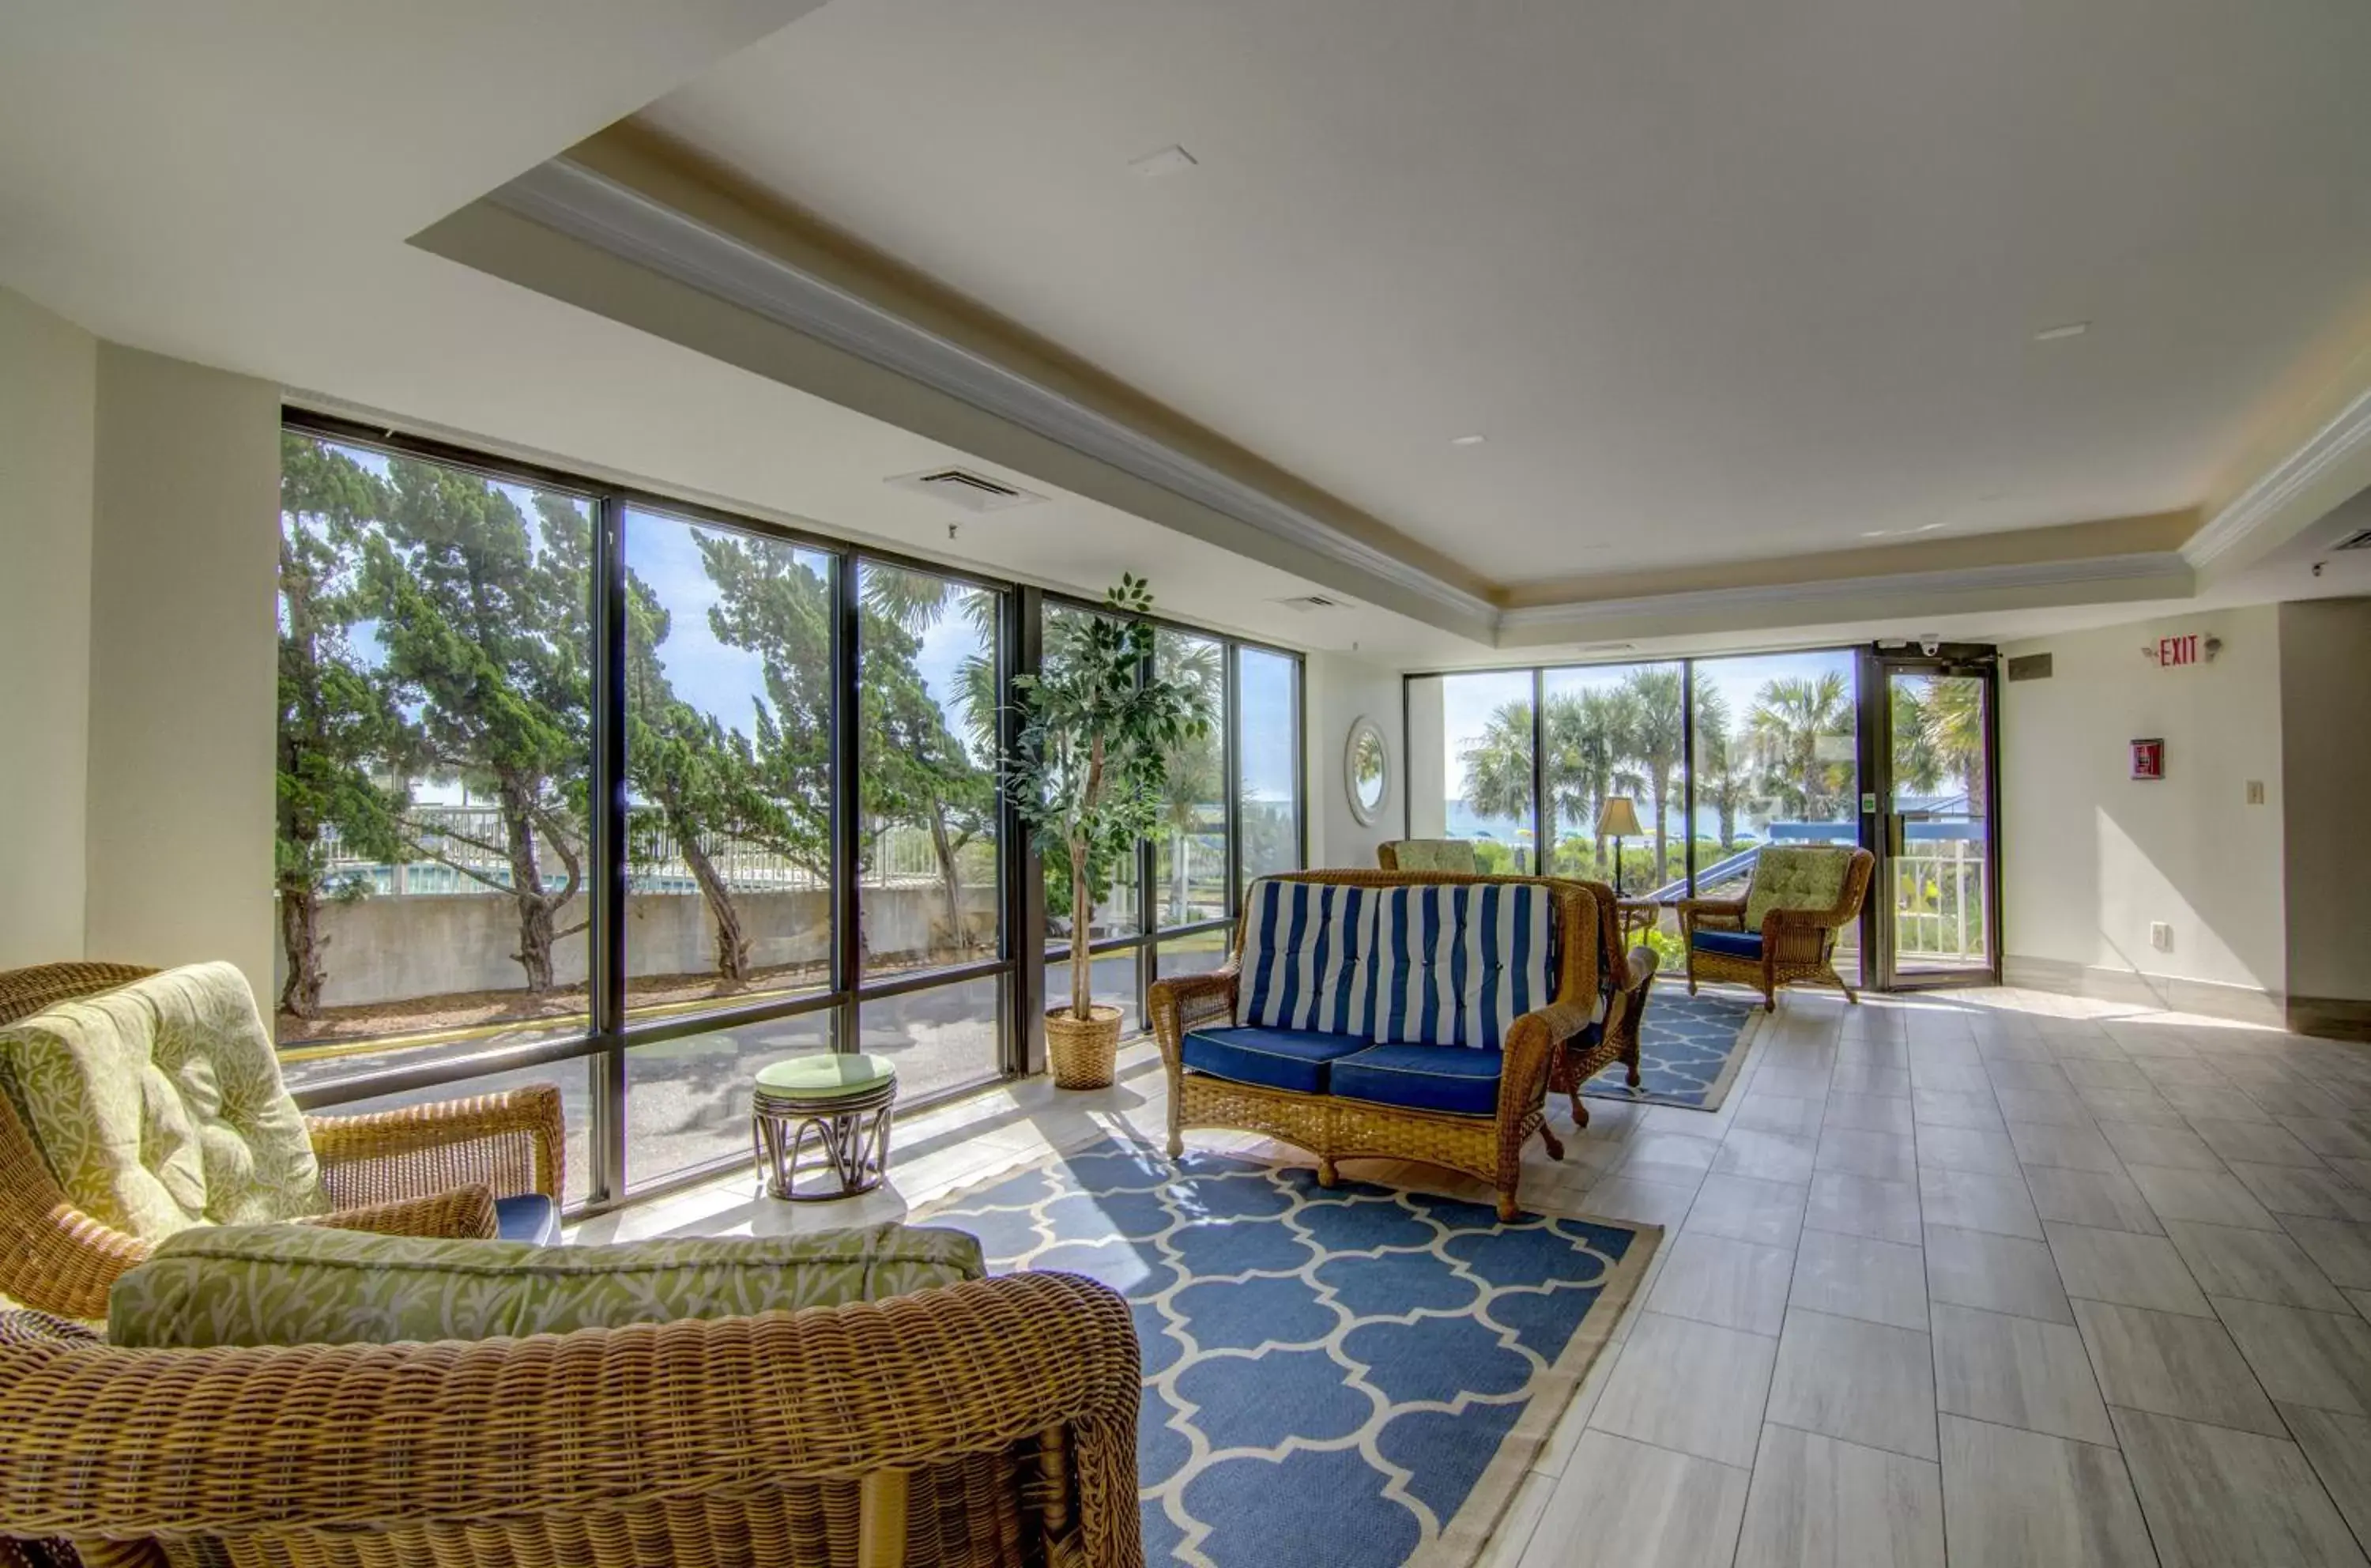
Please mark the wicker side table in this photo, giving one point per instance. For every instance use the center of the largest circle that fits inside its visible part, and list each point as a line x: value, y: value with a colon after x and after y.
x: 842, y: 1100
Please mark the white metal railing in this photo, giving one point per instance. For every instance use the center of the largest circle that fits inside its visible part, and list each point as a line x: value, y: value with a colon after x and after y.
x: 1938, y: 901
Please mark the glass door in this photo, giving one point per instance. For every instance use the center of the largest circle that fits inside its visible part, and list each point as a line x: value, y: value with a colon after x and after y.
x: 1934, y: 897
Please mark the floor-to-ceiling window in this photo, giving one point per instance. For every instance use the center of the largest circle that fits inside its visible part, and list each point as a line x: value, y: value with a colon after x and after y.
x: 1713, y: 759
x: 1475, y: 779
x: 582, y: 784
x: 1232, y: 811
x: 1611, y: 734
x: 1776, y: 762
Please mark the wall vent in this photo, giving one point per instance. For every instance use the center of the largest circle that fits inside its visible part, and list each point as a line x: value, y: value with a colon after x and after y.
x: 963, y: 488
x: 1308, y: 603
x: 2030, y: 667
x: 2358, y: 540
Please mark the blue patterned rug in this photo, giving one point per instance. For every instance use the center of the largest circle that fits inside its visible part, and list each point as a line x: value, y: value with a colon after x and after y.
x: 1353, y: 1378
x: 1688, y: 1049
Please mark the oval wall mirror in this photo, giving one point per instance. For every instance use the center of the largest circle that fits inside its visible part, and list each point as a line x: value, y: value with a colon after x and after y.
x: 1367, y: 770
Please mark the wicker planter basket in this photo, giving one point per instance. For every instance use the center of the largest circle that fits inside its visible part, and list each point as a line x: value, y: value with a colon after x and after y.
x: 1082, y: 1054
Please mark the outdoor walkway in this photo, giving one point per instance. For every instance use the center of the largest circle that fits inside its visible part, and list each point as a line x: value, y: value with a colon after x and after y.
x: 1989, y: 1277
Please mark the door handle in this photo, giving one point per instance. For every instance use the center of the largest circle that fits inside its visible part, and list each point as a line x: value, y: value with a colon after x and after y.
x: 1894, y: 836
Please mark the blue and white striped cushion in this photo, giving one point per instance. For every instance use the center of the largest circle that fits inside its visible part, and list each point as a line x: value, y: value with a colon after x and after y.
x: 1306, y: 949
x: 1456, y: 965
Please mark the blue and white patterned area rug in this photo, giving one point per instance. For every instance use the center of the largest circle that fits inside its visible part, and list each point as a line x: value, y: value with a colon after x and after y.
x: 1352, y: 1379
x: 1689, y: 1049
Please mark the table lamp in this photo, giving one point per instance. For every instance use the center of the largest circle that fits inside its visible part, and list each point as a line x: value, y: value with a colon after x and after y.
x: 1618, y: 821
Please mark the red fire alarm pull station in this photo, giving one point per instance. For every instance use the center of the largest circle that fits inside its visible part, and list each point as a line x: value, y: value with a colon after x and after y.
x: 2149, y: 759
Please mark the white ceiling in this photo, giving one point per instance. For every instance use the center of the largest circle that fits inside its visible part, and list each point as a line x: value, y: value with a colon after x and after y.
x: 238, y: 188
x: 1718, y: 280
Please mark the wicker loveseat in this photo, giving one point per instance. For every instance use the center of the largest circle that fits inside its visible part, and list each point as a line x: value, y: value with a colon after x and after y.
x: 1785, y: 929
x: 1314, y: 1036
x: 410, y: 1171
x: 985, y: 1424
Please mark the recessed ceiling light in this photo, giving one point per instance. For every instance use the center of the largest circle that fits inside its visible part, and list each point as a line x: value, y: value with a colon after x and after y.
x: 2066, y: 330
x: 1168, y: 160
x: 1467, y: 440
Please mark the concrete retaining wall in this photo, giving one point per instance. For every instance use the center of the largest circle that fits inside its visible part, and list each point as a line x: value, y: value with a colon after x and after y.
x: 398, y: 948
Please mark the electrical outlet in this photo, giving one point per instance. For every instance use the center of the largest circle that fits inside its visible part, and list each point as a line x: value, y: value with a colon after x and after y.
x: 2160, y: 936
x: 2255, y: 791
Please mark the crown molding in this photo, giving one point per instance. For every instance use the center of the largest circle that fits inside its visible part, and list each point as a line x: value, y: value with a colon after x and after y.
x: 2342, y: 440
x: 2155, y: 567
x: 613, y: 217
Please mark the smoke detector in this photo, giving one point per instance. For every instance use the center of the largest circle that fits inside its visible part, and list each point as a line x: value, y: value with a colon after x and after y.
x: 965, y: 488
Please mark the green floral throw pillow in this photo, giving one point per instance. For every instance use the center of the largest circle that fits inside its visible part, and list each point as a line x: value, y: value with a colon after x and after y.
x: 1801, y: 877
x: 158, y: 1105
x: 296, y: 1284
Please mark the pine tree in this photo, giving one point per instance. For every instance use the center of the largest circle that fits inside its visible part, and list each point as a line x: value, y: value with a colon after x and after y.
x: 339, y: 731
x: 486, y: 622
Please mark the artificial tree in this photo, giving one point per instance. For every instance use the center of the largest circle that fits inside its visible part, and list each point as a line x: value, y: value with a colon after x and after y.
x: 1099, y: 726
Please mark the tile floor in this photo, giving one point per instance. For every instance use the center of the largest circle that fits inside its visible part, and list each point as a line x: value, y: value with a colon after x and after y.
x: 1987, y: 1277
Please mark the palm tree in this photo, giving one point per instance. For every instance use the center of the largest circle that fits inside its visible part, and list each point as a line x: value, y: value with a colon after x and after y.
x: 1657, y: 743
x: 1588, y: 742
x: 1721, y: 782
x: 1790, y: 716
x: 1499, y: 765
x: 1951, y: 720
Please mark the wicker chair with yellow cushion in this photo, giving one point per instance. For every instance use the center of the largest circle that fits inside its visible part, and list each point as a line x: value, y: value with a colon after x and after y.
x: 136, y: 1103
x: 1370, y: 1046
x: 1785, y: 929
x: 1428, y: 855
x: 835, y: 1400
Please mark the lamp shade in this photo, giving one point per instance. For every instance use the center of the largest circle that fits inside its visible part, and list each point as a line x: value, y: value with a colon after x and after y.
x: 1619, y: 819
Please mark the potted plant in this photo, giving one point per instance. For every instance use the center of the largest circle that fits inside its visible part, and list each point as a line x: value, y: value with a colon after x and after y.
x: 1099, y: 725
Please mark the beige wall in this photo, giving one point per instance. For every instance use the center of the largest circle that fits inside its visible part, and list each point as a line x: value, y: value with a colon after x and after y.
x: 2326, y: 767
x: 49, y: 371
x: 2091, y: 858
x: 182, y: 666
x: 1341, y: 688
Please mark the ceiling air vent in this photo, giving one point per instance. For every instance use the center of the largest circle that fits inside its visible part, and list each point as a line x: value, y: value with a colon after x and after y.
x: 2358, y: 540
x: 1307, y: 603
x: 963, y: 488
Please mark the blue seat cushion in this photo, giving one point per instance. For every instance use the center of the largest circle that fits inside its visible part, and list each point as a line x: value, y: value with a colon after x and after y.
x: 1730, y: 944
x: 1460, y: 1079
x: 531, y: 1216
x: 1274, y: 1058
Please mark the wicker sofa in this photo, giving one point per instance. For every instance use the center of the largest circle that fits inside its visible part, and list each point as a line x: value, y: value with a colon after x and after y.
x: 1785, y: 929
x: 408, y: 1171
x: 985, y: 1424
x: 1343, y: 1092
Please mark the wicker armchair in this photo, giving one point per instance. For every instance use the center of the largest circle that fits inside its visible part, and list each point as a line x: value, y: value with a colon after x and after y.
x: 1335, y: 1129
x: 989, y: 1424
x: 1795, y: 944
x: 400, y: 1171
x: 1625, y: 981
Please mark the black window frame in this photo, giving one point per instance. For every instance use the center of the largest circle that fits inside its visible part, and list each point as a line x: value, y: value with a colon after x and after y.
x: 610, y: 1030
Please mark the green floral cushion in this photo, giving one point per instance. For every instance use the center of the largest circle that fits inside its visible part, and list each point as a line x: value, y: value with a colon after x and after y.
x: 1796, y: 877
x: 158, y: 1105
x: 1436, y: 855
x: 296, y: 1284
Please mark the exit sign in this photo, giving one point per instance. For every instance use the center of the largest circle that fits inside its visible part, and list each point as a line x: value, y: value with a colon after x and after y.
x: 2171, y: 651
